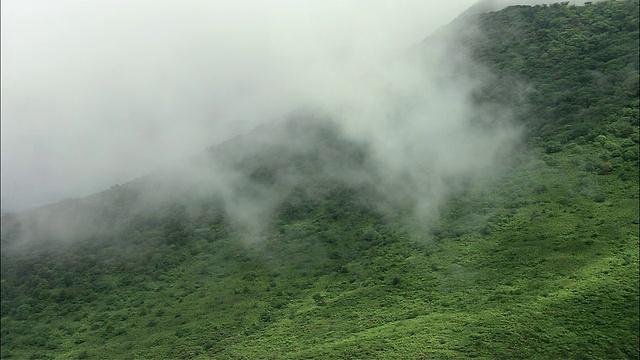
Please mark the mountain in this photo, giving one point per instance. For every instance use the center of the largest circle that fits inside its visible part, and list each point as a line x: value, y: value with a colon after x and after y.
x: 305, y: 240
x: 485, y: 6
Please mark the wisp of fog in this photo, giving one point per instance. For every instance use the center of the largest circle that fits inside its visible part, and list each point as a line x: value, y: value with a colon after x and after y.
x: 94, y: 95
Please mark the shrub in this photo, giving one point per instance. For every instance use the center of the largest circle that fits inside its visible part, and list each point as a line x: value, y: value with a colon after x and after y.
x: 553, y: 147
x: 319, y: 299
x: 605, y: 168
x: 539, y: 189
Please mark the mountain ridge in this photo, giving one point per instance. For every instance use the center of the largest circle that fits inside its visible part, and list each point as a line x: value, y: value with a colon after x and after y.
x: 537, y: 260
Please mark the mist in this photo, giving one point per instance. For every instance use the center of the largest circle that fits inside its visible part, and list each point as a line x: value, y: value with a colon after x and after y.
x: 97, y: 93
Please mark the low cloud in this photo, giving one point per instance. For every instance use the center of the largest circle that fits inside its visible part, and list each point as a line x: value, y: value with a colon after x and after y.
x: 109, y: 95
x: 96, y: 93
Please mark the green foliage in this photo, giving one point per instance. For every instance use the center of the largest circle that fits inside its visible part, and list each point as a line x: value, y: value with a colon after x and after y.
x: 540, y: 261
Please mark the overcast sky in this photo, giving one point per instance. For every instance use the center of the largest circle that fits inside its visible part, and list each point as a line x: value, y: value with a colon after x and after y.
x: 96, y: 93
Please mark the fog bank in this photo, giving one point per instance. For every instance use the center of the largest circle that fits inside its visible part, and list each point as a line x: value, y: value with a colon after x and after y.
x: 96, y: 93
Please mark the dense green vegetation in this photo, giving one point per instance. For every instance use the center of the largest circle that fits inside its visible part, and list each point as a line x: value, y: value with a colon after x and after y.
x: 538, y: 261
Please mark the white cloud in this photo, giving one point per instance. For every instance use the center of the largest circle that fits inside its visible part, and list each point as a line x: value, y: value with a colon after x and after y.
x: 99, y: 92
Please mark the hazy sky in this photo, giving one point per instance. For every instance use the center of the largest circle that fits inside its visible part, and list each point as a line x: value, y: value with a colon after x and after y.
x: 96, y: 93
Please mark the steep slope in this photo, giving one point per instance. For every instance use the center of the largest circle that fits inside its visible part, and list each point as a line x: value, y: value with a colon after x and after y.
x: 281, y: 249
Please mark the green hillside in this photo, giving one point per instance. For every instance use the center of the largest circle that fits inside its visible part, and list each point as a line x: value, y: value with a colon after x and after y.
x: 538, y: 260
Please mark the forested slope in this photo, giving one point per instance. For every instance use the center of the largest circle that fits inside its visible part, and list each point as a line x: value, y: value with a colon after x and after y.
x: 539, y: 260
